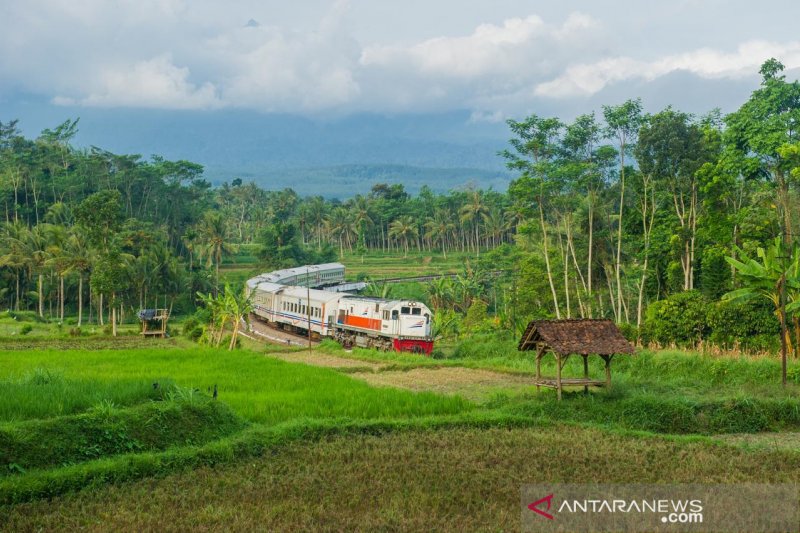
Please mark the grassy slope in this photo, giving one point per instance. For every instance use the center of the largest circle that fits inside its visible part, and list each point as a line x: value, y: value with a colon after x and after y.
x: 664, y: 392
x: 257, y: 388
x: 98, y: 433
x: 453, y: 479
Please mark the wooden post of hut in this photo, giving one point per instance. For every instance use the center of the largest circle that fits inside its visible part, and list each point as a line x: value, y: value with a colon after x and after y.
x: 563, y: 338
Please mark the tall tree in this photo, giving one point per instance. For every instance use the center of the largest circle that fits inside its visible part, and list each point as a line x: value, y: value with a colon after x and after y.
x: 622, y: 124
x: 534, y: 150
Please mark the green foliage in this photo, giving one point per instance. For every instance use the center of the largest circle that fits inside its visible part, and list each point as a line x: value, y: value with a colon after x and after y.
x: 679, y: 319
x: 715, y: 274
x: 105, y: 430
x: 100, y: 214
x: 752, y: 325
x: 25, y: 329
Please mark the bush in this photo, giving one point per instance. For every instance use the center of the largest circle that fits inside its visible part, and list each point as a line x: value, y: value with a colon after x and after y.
x: 753, y: 325
x: 25, y: 316
x: 679, y: 319
x: 26, y: 328
x: 629, y: 331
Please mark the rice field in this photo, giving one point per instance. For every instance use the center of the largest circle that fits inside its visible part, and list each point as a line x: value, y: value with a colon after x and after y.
x: 134, y: 438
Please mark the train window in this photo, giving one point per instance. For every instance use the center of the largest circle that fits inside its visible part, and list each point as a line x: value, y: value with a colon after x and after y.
x: 386, y: 315
x: 427, y: 318
x: 416, y: 311
x: 405, y: 310
x: 394, y: 315
x: 377, y: 307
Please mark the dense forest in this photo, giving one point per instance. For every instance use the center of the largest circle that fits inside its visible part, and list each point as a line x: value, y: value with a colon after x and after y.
x: 620, y: 214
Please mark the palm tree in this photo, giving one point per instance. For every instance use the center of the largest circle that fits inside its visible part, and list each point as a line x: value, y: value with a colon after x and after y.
x: 14, y: 252
x: 439, y: 227
x: 472, y: 212
x: 189, y: 240
x: 56, y: 259
x: 317, y: 214
x: 495, y: 225
x: 404, y: 228
x: 78, y: 258
x: 340, y: 225
x: 36, y: 247
x: 213, y: 238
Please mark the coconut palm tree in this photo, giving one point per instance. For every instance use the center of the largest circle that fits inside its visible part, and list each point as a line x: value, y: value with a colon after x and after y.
x: 77, y: 255
x: 404, y: 228
x: 14, y: 252
x: 472, y: 213
x: 340, y: 225
x: 439, y: 228
x: 36, y: 244
x: 57, y: 260
x: 213, y: 239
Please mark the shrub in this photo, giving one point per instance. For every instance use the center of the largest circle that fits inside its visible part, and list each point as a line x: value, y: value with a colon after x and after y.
x: 629, y: 331
x: 752, y: 324
x: 679, y: 319
x: 189, y: 325
x: 26, y: 328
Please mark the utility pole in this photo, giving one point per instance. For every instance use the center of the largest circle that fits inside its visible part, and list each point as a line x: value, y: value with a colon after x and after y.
x: 308, y: 307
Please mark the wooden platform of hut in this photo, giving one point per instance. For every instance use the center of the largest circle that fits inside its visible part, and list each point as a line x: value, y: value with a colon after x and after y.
x: 564, y: 338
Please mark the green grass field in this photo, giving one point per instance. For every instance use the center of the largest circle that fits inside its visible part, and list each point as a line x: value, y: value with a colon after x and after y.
x: 293, y: 446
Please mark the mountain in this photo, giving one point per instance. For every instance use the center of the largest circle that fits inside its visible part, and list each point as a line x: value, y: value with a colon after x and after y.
x: 331, y: 156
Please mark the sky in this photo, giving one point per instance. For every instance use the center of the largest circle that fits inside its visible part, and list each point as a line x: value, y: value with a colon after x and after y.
x: 495, y: 59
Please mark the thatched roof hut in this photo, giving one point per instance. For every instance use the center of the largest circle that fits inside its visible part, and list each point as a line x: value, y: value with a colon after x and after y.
x: 582, y: 337
x: 579, y: 337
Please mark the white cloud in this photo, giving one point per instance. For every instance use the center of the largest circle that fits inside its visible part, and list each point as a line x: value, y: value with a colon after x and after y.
x: 155, y: 83
x: 590, y: 78
x: 204, y: 55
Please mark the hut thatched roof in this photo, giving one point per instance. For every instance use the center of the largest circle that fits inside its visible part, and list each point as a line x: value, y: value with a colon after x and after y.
x: 581, y: 336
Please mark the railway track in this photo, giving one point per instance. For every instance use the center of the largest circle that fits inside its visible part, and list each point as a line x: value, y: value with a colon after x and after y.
x: 430, y: 277
x: 259, y: 331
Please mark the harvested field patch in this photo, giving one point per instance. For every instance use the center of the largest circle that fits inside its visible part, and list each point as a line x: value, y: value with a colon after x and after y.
x: 317, y: 358
x: 468, y: 382
x: 446, y: 480
x: 789, y: 440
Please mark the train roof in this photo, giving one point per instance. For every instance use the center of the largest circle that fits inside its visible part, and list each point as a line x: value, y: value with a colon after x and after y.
x: 303, y: 292
x: 390, y: 303
x: 277, y: 275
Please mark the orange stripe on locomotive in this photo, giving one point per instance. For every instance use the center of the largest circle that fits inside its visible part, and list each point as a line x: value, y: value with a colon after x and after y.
x: 363, y: 322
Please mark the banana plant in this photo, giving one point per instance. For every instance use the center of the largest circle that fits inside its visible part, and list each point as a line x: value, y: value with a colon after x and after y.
x: 762, y: 278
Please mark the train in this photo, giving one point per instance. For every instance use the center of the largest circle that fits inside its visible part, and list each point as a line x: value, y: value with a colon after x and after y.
x: 304, y: 299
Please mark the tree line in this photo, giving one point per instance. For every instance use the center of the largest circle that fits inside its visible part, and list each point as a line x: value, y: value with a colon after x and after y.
x: 607, y: 214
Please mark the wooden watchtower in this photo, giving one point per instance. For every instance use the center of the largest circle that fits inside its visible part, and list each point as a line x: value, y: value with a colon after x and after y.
x: 582, y: 337
x: 154, y: 322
